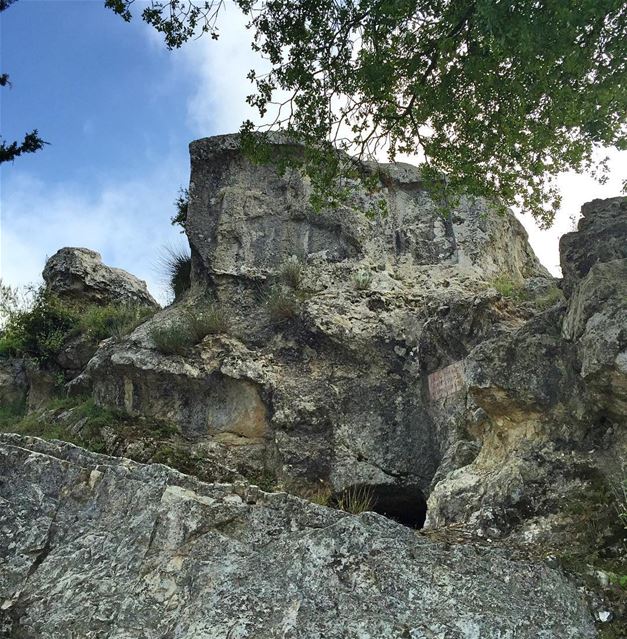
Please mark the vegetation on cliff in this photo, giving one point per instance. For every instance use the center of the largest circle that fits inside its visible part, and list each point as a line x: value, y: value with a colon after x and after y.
x: 499, y: 96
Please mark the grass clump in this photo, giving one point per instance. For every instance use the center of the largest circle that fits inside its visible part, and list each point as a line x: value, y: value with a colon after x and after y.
x: 80, y: 421
x: 355, y: 500
x: 282, y: 305
x: 321, y: 496
x: 113, y: 320
x: 191, y: 329
x: 208, y: 320
x: 176, y: 265
x: 50, y: 422
x: 174, y: 339
x: 509, y: 288
x: 292, y: 272
x: 548, y: 299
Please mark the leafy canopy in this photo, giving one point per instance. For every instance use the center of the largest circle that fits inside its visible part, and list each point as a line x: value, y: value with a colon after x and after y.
x: 498, y: 95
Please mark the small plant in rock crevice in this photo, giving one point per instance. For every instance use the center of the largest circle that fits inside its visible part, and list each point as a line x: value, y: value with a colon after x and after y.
x: 356, y: 499
x: 207, y: 320
x: 282, y: 304
x: 509, y: 288
x: 176, y: 265
x: 292, y: 272
x: 362, y: 279
x: 173, y: 339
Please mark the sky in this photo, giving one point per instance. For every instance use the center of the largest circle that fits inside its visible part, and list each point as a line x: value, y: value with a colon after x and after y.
x: 119, y: 111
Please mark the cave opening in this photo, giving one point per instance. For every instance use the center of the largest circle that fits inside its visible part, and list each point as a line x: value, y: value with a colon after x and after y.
x: 404, y: 504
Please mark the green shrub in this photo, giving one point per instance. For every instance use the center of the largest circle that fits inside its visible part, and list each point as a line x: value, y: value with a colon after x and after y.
x: 181, y: 205
x: 282, y: 304
x: 292, y: 272
x: 357, y: 499
x: 39, y: 331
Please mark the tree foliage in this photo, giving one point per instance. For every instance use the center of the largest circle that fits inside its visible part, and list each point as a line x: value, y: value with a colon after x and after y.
x: 497, y: 95
x: 31, y: 142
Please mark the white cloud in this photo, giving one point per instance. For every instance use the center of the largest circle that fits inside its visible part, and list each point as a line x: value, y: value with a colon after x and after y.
x: 128, y: 223
x: 220, y: 67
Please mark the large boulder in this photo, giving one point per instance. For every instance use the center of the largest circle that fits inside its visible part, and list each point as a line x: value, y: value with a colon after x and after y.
x: 246, y: 219
x: 79, y: 274
x: 94, y: 546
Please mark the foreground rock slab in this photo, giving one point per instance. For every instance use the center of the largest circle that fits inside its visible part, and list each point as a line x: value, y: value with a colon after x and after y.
x: 93, y: 547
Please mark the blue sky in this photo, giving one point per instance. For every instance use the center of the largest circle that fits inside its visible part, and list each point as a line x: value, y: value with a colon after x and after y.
x: 119, y: 111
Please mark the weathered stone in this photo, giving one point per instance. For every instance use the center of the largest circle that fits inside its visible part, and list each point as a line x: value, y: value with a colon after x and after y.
x: 76, y: 353
x: 339, y: 392
x: 597, y: 322
x: 94, y: 546
x: 600, y: 237
x: 13, y: 383
x: 245, y: 219
x: 78, y: 274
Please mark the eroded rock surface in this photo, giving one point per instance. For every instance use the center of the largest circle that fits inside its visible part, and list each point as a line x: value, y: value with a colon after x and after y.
x: 553, y: 427
x: 79, y: 274
x: 338, y: 392
x: 95, y: 546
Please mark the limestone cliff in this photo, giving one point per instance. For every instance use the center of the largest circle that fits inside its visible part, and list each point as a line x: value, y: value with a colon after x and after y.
x: 374, y: 347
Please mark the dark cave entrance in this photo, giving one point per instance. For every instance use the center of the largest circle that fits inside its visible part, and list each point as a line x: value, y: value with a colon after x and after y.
x: 405, y: 504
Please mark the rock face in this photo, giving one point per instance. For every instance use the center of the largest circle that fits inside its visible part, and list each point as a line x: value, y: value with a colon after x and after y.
x: 13, y: 383
x: 600, y: 237
x: 78, y: 273
x: 553, y: 398
x: 373, y: 345
x: 94, y: 546
x: 337, y: 389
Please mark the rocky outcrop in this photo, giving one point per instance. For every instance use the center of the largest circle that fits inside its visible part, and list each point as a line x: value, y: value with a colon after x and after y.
x: 94, y: 546
x: 553, y: 433
x: 79, y: 274
x: 600, y: 237
x: 371, y: 345
x: 246, y: 219
x: 382, y: 291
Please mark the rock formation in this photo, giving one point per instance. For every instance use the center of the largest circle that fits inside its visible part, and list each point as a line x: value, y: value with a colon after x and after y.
x: 374, y: 345
x: 338, y: 392
x: 102, y: 547
x: 78, y: 273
